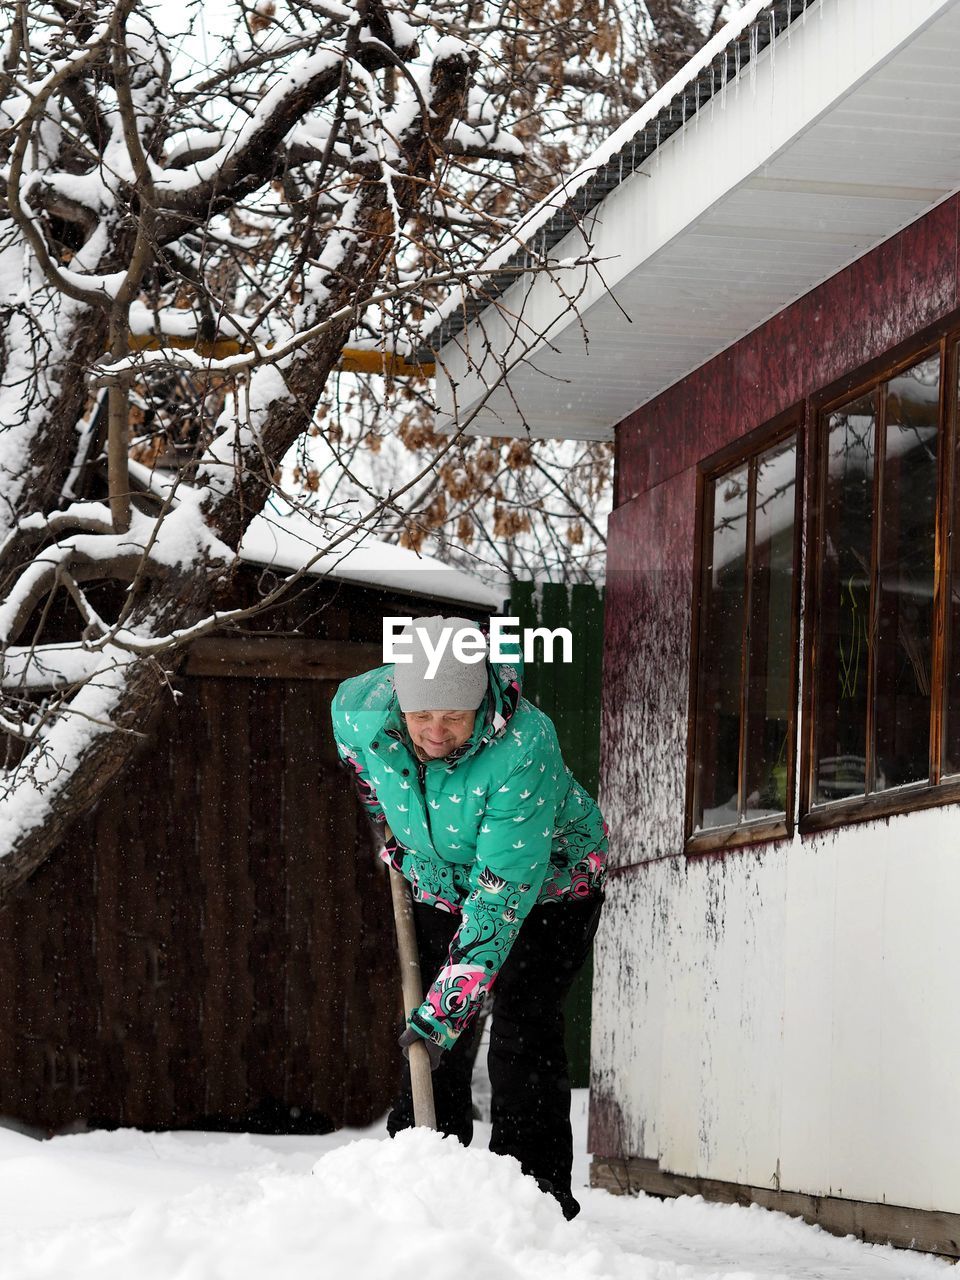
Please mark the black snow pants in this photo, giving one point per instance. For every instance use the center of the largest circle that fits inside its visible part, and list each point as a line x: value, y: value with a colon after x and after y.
x: 527, y: 1062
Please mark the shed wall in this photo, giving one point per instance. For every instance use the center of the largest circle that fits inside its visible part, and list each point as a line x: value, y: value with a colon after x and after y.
x: 207, y: 947
x: 789, y: 1018
x: 214, y: 944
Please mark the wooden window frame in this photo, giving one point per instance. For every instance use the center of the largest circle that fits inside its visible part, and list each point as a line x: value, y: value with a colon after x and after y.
x: 745, y: 450
x: 934, y: 791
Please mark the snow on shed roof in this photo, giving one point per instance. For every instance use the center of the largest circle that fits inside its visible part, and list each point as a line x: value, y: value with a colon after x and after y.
x: 285, y: 539
x: 726, y: 198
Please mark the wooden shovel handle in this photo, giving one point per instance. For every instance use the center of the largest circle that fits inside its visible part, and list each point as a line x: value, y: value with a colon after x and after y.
x: 421, y: 1077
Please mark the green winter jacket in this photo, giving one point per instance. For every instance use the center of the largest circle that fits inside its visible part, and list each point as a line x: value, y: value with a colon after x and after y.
x: 488, y: 831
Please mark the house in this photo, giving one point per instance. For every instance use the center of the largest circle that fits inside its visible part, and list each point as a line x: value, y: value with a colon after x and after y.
x: 210, y: 947
x: 774, y: 336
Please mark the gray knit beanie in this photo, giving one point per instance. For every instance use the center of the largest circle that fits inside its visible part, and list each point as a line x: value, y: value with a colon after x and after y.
x: 454, y: 686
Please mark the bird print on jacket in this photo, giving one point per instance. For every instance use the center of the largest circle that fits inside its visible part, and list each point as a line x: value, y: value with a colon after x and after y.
x: 487, y: 832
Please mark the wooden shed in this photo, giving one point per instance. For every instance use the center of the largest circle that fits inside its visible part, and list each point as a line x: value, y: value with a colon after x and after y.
x: 212, y: 946
x: 773, y: 1009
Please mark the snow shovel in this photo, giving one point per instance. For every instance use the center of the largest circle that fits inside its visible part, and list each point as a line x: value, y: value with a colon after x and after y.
x: 421, y: 1082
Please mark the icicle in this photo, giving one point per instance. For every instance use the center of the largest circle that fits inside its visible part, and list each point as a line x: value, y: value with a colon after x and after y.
x: 736, y: 59
x: 723, y: 82
x: 773, y: 37
x: 754, y: 50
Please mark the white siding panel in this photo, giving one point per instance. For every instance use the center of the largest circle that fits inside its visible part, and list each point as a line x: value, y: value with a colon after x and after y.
x: 857, y: 1141
x: 742, y: 1087
x: 808, y: 1016
x: 918, y: 1077
x: 631, y: 960
x: 688, y: 1047
x: 792, y: 1015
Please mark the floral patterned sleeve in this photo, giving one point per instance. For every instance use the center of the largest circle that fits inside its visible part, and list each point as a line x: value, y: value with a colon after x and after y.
x: 513, y: 855
x: 365, y: 789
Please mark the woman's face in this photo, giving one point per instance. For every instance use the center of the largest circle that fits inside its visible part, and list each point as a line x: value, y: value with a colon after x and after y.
x: 437, y: 733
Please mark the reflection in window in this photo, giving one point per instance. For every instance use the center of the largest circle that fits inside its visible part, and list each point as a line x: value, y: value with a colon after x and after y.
x: 718, y: 727
x: 744, y: 708
x: 770, y: 666
x: 841, y: 654
x: 951, y: 740
x: 905, y: 576
x: 877, y: 561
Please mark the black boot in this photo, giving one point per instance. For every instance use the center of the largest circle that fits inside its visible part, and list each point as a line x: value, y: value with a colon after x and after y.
x: 569, y: 1205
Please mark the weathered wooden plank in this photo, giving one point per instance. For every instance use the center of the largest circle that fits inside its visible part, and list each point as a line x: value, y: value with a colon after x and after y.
x: 210, y: 813
x: 926, y: 1230
x: 299, y: 832
x: 77, y: 882
x: 267, y: 939
x: 40, y: 1064
x: 109, y: 1084
x: 152, y: 905
x: 127, y: 859
x: 328, y: 902
x: 373, y: 1008
x: 9, y: 963
x: 280, y: 657
x: 343, y: 1010
x: 239, y: 793
x: 183, y: 746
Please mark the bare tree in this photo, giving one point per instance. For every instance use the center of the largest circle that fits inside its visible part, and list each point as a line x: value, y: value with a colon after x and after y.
x: 184, y: 255
x: 561, y: 76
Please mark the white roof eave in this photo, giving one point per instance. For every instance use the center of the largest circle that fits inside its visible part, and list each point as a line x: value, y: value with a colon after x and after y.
x: 804, y: 163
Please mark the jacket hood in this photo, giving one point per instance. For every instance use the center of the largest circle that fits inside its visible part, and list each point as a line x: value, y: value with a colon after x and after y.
x: 504, y: 686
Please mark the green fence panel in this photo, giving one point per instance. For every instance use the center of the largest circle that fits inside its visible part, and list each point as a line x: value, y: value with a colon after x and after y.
x: 570, y: 695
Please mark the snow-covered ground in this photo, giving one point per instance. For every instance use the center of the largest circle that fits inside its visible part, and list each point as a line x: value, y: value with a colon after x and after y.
x: 128, y: 1205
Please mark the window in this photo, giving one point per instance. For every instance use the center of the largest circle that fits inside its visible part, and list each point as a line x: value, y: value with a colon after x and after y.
x: 881, y: 677
x: 884, y: 664
x: 743, y: 719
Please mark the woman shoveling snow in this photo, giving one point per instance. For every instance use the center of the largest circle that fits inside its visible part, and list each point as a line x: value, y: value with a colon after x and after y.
x: 505, y: 852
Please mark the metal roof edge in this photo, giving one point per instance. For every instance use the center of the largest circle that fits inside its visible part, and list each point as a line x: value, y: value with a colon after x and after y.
x: 747, y: 45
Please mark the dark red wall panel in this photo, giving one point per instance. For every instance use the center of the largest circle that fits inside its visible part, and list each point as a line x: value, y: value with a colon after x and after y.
x: 881, y: 300
x: 645, y: 660
x: 859, y: 315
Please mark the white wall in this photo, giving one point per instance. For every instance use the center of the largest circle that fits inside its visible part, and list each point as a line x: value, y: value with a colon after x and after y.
x: 789, y: 1017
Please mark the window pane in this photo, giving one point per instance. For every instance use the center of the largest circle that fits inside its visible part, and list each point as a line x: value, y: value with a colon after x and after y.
x: 769, y: 689
x: 841, y: 674
x: 905, y: 576
x: 951, y: 745
x: 718, y: 711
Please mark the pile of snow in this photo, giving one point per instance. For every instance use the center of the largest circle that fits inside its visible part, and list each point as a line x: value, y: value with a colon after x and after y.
x: 192, y: 1206
x: 377, y: 1209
